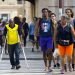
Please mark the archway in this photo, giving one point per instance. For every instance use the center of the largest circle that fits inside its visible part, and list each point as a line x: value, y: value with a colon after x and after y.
x: 31, y: 10
x: 32, y: 1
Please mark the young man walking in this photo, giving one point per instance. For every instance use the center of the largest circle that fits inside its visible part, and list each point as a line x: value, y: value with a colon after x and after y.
x: 44, y: 29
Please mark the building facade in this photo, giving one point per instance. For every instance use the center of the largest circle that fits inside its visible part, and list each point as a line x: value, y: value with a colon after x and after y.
x: 31, y: 8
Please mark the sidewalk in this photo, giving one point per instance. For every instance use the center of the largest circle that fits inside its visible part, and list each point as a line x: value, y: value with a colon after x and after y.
x: 35, y: 63
x: 36, y: 67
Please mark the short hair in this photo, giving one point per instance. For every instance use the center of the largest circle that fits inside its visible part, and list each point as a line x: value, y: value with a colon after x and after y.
x: 10, y: 20
x: 45, y: 9
x: 53, y: 14
x: 17, y: 20
x: 64, y: 17
x: 24, y: 19
x: 49, y: 11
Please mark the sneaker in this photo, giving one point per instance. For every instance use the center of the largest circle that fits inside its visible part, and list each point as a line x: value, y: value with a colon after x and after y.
x: 13, y: 67
x: 73, y: 66
x: 54, y: 66
x: 32, y: 49
x: 18, y: 67
x: 58, y: 65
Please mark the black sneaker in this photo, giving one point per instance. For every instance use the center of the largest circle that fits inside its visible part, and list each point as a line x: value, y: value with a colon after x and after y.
x: 58, y: 65
x: 32, y: 49
x: 54, y: 66
x: 73, y: 66
x: 13, y: 67
x: 18, y: 67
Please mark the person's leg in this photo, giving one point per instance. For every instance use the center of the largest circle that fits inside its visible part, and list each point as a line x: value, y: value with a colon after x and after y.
x: 25, y: 37
x: 73, y: 58
x: 62, y: 51
x: 49, y: 51
x: 58, y: 63
x: 63, y: 65
x: 6, y: 48
x: 44, y: 50
x: 32, y: 42
x: 0, y: 46
x: 54, y: 59
x: 73, y: 63
x: 31, y: 38
x: 69, y: 52
x: 11, y: 55
x: 24, y: 41
x: 50, y: 57
x: 37, y: 43
x: 1, y: 43
x: 45, y: 60
x: 17, y: 56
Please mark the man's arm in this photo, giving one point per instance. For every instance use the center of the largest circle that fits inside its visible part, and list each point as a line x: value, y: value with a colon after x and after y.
x: 27, y: 27
x: 72, y: 30
x: 36, y: 31
x: 20, y: 33
x: 55, y: 36
x: 37, y: 28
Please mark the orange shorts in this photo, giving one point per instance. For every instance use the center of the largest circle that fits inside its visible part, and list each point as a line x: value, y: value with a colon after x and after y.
x: 65, y: 50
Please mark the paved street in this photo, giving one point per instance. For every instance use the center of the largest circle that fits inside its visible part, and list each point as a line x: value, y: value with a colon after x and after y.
x: 35, y: 63
x: 36, y: 67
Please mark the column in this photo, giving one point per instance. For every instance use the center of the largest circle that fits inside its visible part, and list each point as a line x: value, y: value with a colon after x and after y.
x: 61, y: 8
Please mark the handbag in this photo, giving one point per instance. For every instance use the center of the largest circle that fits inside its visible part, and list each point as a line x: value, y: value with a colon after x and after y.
x: 64, y: 42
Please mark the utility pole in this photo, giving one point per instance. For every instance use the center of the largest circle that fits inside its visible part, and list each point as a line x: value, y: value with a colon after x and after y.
x: 61, y: 8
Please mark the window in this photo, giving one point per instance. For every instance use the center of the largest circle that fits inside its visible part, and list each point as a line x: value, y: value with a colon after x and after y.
x: 3, y: 0
x: 4, y: 17
x: 19, y: 1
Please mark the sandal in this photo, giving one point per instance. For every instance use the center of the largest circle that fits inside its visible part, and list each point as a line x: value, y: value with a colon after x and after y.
x: 62, y: 71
